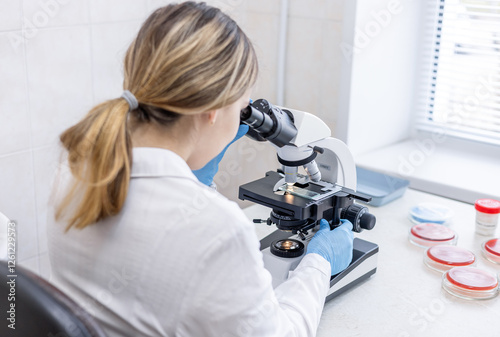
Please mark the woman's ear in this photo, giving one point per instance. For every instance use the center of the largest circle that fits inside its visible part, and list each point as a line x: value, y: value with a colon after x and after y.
x: 212, y: 116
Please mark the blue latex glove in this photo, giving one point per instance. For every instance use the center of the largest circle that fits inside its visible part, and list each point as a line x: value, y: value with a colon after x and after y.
x: 206, y: 174
x: 334, y: 245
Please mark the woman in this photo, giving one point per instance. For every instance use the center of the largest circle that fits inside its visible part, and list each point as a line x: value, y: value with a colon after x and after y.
x: 136, y: 238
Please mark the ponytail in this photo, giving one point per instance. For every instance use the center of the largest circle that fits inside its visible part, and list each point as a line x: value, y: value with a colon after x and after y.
x: 99, y: 156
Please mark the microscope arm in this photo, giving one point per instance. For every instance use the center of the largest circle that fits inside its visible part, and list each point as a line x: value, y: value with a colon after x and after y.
x: 336, y: 151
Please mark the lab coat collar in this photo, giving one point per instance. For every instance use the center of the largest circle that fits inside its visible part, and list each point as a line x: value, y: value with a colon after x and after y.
x: 159, y: 162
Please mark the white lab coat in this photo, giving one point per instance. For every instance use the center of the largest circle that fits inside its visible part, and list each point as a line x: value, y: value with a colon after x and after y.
x: 180, y: 260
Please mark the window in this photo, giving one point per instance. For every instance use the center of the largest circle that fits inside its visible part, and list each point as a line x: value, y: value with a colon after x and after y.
x: 462, y: 79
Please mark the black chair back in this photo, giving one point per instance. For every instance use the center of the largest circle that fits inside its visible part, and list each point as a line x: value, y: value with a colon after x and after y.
x: 38, y: 309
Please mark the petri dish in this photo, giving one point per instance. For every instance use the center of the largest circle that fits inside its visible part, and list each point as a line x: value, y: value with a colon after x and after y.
x: 470, y: 283
x: 431, y: 234
x: 491, y: 250
x: 427, y: 212
x: 445, y: 257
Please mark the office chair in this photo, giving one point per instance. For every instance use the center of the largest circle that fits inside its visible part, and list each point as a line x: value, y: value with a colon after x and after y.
x: 41, y: 309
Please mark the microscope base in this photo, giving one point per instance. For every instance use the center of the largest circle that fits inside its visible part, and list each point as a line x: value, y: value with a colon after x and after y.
x: 363, y: 264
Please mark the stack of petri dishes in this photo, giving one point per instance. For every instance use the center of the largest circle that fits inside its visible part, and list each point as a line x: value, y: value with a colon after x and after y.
x: 461, y: 277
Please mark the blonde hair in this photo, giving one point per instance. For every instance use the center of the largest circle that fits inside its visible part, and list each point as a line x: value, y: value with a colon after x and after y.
x: 187, y: 58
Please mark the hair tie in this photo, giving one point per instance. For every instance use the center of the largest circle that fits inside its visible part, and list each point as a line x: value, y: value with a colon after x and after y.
x: 131, y: 100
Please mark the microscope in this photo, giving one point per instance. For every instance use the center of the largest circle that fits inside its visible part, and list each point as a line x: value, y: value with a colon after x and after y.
x: 326, y: 189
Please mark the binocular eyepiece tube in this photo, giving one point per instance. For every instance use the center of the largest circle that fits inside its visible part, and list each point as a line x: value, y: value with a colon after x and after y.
x: 268, y: 122
x: 257, y: 120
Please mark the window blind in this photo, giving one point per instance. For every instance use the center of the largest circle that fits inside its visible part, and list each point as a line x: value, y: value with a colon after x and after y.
x: 461, y: 84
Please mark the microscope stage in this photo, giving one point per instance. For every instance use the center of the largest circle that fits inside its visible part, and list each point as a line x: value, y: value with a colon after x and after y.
x: 261, y: 192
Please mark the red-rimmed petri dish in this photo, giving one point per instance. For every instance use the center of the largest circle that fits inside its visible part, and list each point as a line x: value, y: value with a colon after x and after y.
x: 431, y: 234
x: 470, y: 283
x: 491, y: 250
x: 445, y: 257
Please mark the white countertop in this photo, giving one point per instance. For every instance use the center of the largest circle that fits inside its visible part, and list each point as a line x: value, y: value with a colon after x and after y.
x: 404, y: 298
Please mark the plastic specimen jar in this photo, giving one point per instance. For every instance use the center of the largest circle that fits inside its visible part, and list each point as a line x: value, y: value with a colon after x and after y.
x: 491, y: 250
x: 431, y: 234
x: 487, y: 212
x: 445, y: 257
x: 428, y: 212
x: 470, y: 283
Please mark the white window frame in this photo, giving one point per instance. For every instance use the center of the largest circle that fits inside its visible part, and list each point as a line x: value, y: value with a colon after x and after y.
x: 436, y: 24
x: 386, y: 139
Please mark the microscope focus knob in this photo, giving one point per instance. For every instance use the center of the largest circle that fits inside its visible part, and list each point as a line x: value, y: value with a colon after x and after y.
x: 367, y: 221
x: 359, y: 217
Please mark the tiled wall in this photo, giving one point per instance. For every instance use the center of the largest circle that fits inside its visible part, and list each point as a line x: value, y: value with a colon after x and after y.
x: 58, y: 58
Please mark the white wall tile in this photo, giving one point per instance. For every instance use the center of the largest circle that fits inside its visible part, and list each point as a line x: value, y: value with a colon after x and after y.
x: 55, y: 13
x: 59, y: 75
x: 304, y: 67
x: 14, y: 122
x: 313, y: 67
x: 317, y: 9
x: 236, y: 9
x: 109, y: 44
x: 117, y: 10
x: 229, y: 6
x: 263, y: 31
x: 10, y: 15
x: 264, y: 6
x: 17, y: 201
x: 335, y: 9
x: 45, y: 163
x: 330, y: 79
x: 155, y: 4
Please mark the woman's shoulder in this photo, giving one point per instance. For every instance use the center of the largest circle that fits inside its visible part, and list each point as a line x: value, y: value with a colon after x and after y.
x: 227, y: 208
x: 223, y: 212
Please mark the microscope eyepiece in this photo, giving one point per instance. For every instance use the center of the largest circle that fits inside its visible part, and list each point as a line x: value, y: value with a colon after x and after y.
x: 268, y: 122
x: 257, y: 120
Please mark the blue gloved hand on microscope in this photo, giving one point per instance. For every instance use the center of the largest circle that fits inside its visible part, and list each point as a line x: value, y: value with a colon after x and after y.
x: 334, y: 245
x: 207, y: 173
